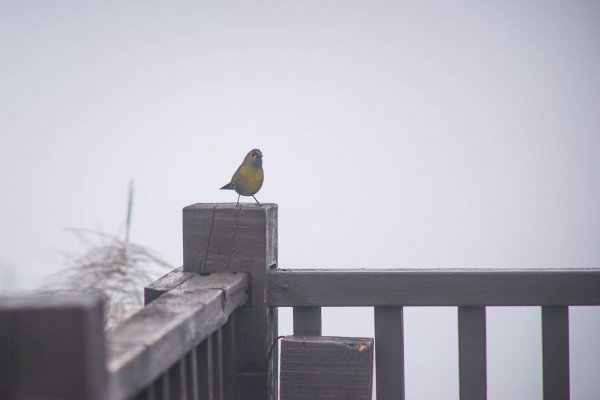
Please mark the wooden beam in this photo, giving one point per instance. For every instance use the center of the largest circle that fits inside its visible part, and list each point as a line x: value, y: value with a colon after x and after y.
x: 476, y: 287
x: 389, y: 352
x: 307, y: 321
x: 555, y: 346
x: 472, y: 360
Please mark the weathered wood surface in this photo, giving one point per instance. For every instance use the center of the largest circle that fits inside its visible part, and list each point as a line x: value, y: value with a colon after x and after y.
x: 165, y: 283
x: 52, y: 347
x: 320, y: 367
x: 472, y: 365
x: 161, y: 334
x: 307, y: 321
x: 389, y: 352
x: 522, y: 287
x: 225, y: 238
x: 555, y: 346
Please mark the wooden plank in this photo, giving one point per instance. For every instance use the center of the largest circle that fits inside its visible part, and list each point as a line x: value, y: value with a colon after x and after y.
x: 218, y: 363
x: 472, y: 353
x: 555, y: 345
x: 162, y: 333
x: 206, y: 380
x: 191, y: 370
x: 46, y: 341
x: 307, y: 321
x: 229, y: 362
x: 332, y: 288
x: 225, y: 238
x: 389, y: 352
x: 177, y: 377
x: 162, y: 387
x: 320, y: 367
x: 165, y: 283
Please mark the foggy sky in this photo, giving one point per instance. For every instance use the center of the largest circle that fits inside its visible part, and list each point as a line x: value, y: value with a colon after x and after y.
x: 395, y: 134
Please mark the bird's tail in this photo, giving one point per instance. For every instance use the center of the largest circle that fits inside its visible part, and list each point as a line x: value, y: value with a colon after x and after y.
x: 229, y: 186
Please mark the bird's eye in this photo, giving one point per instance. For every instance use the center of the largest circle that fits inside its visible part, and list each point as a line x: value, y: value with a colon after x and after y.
x: 253, y: 155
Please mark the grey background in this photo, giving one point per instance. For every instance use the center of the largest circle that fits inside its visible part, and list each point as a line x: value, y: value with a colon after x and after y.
x: 395, y: 134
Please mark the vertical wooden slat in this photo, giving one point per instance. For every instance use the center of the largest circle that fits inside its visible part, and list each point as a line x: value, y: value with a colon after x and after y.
x: 472, y: 353
x: 177, y: 380
x: 389, y: 353
x: 218, y: 363
x: 162, y: 387
x: 191, y: 370
x: 307, y: 321
x: 151, y: 392
x: 205, y: 370
x: 229, y: 362
x: 555, y: 352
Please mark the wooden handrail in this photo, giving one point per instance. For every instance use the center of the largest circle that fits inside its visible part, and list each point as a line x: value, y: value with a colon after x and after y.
x: 427, y: 287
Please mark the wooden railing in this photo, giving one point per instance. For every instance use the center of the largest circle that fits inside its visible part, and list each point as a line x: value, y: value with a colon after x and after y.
x: 177, y: 347
x: 388, y: 291
x: 209, y: 330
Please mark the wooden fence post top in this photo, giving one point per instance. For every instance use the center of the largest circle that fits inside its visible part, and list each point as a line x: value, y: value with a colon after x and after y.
x: 231, y: 206
x: 52, y: 347
x: 220, y: 237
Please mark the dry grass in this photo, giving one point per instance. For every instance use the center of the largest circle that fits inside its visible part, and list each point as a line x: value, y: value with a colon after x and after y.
x: 116, y: 267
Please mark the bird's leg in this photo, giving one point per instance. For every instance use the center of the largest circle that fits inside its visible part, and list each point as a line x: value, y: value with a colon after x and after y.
x: 255, y: 200
x: 238, y: 202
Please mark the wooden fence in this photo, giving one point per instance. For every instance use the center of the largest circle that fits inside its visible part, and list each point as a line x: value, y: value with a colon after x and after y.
x: 208, y: 329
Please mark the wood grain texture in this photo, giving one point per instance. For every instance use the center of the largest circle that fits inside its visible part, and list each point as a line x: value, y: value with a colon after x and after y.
x: 158, y: 336
x: 223, y: 238
x: 331, y: 368
x: 389, y: 352
x: 307, y: 321
x: 332, y: 288
x: 472, y: 364
x: 52, y: 347
x: 555, y: 352
x: 165, y: 283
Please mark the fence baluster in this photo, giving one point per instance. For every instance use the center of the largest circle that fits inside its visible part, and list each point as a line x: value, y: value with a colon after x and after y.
x: 555, y: 352
x: 218, y: 363
x: 191, y: 371
x: 472, y: 353
x: 389, y: 353
x: 205, y: 369
x: 307, y: 321
x: 229, y: 362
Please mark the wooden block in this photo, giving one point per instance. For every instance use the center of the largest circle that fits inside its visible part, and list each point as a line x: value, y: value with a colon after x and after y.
x: 321, y: 367
x: 52, y: 347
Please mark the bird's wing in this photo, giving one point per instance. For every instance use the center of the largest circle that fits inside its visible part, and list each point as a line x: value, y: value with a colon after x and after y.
x: 229, y: 186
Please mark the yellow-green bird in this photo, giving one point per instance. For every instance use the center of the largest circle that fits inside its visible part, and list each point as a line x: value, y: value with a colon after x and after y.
x: 248, y: 178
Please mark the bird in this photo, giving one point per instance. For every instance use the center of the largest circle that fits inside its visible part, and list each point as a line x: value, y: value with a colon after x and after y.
x: 248, y: 178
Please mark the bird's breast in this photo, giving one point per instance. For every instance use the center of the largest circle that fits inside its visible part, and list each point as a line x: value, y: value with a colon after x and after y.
x: 248, y: 181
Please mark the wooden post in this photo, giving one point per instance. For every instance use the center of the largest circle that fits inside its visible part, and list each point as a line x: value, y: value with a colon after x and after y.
x: 52, y: 347
x: 225, y: 238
